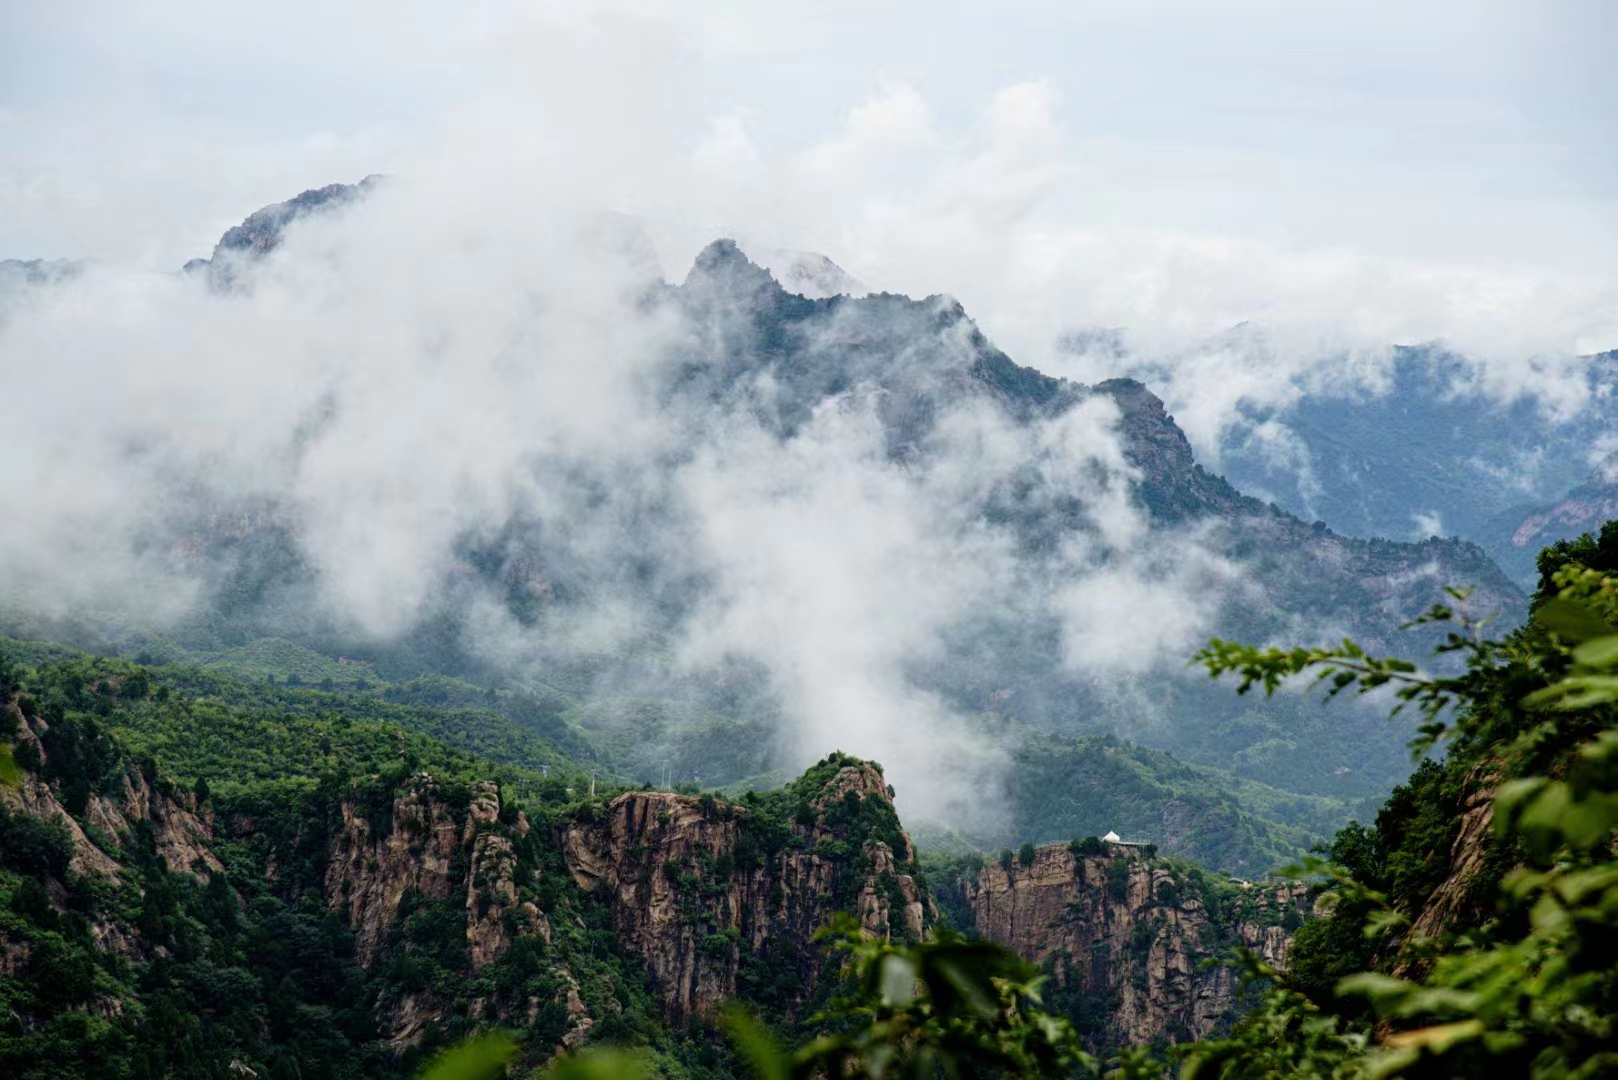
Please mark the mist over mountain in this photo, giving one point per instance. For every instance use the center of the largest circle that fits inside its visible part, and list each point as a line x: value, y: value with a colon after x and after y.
x: 1402, y: 442
x: 510, y: 452
x: 703, y: 540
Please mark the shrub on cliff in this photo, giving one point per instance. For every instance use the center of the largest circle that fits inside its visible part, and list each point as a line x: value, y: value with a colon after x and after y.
x: 34, y: 845
x: 944, y: 1007
x: 1089, y: 847
x: 1525, y: 985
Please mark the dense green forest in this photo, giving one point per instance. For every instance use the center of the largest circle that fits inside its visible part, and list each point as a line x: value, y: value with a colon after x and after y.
x: 1472, y: 924
x: 1467, y: 928
x: 1062, y: 786
x: 251, y: 966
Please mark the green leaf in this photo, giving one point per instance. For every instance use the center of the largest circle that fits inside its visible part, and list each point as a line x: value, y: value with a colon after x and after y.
x: 1600, y: 653
x: 898, y: 980
x: 482, y: 1057
x: 1438, y: 1038
x: 1589, y: 821
x: 1577, y: 692
x: 1391, y: 1063
x: 1383, y: 991
x: 756, y: 1044
x: 1513, y: 793
x: 1572, y: 621
x: 601, y: 1065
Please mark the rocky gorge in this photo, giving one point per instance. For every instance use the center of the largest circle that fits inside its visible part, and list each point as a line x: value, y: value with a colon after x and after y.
x: 1128, y: 939
x: 444, y: 905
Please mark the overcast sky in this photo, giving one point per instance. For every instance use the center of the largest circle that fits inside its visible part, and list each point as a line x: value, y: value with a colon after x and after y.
x: 1420, y: 139
x: 1340, y: 176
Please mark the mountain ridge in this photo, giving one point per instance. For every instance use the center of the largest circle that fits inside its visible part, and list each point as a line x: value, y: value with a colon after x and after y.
x: 365, y: 918
x: 753, y: 354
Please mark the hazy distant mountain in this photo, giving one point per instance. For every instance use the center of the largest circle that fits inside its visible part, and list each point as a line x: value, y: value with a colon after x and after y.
x: 1430, y: 453
x: 1017, y: 475
x: 17, y: 276
x: 776, y: 357
x: 927, y: 354
x: 807, y: 273
x: 263, y: 230
x: 1517, y: 535
x: 37, y: 271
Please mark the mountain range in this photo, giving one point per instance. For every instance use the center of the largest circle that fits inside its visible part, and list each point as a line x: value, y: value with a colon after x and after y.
x: 595, y: 789
x: 1095, y: 498
x: 1423, y: 443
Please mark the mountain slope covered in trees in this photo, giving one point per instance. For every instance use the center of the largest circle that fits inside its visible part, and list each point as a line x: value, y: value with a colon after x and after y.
x: 344, y: 895
x: 620, y: 539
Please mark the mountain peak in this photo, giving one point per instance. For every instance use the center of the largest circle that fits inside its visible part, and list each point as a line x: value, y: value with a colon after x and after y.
x: 809, y: 274
x: 1133, y: 395
x: 725, y: 261
x: 262, y: 231
x: 723, y: 270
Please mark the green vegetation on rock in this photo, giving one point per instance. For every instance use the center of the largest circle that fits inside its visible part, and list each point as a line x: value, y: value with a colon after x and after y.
x: 1472, y: 924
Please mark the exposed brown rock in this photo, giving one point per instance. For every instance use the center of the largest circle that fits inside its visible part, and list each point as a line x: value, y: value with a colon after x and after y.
x: 679, y: 900
x: 181, y: 835
x: 406, y: 1020
x: 579, y: 1020
x: 13, y: 958
x: 1451, y: 903
x: 1115, y: 928
x: 425, y: 845
x: 371, y: 870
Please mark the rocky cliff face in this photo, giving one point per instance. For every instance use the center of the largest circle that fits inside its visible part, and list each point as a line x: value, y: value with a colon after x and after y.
x: 712, y: 897
x: 704, y: 893
x: 180, y: 833
x: 264, y: 229
x: 654, y: 904
x: 107, y: 824
x: 1124, y: 938
x: 458, y: 910
x: 427, y: 848
x: 1516, y: 536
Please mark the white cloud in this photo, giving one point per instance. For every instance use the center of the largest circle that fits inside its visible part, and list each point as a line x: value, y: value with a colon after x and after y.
x: 1429, y: 524
x: 467, y: 343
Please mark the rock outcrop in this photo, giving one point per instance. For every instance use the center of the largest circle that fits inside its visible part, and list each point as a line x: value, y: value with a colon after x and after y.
x: 180, y: 832
x: 135, y: 812
x: 703, y: 892
x: 374, y: 863
x: 460, y: 912
x: 427, y: 847
x: 264, y: 230
x: 1125, y: 937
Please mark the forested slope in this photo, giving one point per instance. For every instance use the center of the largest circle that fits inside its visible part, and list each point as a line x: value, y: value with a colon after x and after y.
x: 1470, y: 925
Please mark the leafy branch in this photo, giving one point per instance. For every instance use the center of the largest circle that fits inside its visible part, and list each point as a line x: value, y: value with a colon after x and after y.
x: 1349, y: 667
x: 947, y: 1006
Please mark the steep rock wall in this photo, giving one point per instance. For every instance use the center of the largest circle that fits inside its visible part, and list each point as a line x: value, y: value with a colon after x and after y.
x: 699, y: 899
x: 180, y: 831
x: 1125, y: 937
x: 427, y: 848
